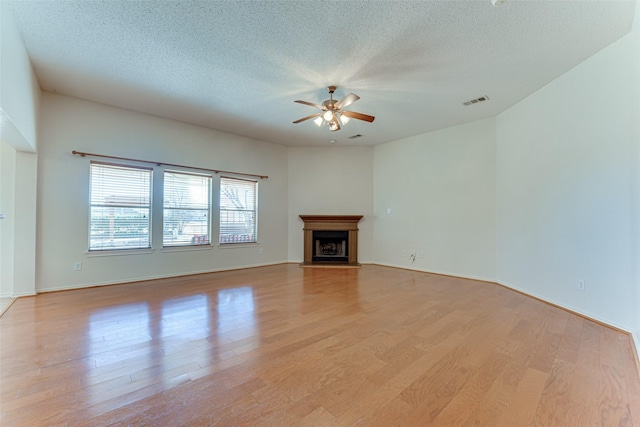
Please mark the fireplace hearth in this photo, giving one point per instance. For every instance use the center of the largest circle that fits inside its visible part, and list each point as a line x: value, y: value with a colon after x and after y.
x: 331, y: 240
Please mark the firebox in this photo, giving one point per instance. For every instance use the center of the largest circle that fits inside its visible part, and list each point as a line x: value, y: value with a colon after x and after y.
x: 331, y: 246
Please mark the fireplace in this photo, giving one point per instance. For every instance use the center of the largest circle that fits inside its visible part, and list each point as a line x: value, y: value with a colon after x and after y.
x: 330, y: 240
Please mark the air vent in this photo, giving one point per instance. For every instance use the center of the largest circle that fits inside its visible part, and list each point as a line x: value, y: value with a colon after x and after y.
x: 355, y: 136
x: 475, y: 101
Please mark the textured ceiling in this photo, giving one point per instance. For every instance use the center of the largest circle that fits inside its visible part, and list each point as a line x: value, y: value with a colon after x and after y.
x: 238, y: 66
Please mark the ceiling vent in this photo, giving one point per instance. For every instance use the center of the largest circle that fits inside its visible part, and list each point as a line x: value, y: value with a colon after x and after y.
x: 355, y: 136
x: 475, y: 101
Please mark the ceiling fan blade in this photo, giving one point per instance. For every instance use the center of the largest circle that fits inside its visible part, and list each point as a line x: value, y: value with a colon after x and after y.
x: 313, y: 116
x: 347, y: 100
x: 359, y: 116
x: 309, y: 103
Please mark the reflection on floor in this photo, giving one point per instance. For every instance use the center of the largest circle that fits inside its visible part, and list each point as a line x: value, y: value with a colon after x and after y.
x: 289, y: 346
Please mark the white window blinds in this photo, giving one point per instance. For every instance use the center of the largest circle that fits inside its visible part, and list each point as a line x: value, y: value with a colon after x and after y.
x: 120, y: 207
x: 238, y: 211
x: 187, y: 209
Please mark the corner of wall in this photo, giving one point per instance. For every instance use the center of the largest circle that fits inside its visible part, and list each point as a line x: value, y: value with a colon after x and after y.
x: 635, y: 342
x: 635, y: 34
x: 20, y: 90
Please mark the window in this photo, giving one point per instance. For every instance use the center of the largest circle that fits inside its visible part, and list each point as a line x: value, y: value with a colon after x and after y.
x: 187, y: 209
x: 238, y: 208
x: 120, y: 212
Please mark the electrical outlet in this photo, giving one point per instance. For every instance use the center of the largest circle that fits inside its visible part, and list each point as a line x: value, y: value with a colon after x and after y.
x: 404, y: 254
x: 413, y: 257
x: 261, y: 251
x: 77, y: 266
x: 581, y: 285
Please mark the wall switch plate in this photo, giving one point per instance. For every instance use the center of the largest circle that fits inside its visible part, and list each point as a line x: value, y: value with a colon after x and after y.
x: 388, y: 211
x: 581, y: 285
x: 77, y: 266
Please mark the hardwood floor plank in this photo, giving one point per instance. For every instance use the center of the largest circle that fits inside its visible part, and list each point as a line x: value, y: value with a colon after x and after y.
x: 554, y: 402
x: 522, y: 407
x: 392, y: 414
x: 613, y: 405
x: 395, y: 364
x: 430, y: 393
x: 319, y: 417
x: 289, y: 346
x: 464, y: 406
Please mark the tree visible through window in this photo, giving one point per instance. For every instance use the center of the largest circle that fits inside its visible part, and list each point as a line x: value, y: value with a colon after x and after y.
x: 238, y: 211
x: 120, y: 207
x: 187, y: 209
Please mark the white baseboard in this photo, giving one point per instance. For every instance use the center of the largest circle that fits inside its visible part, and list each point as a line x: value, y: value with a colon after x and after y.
x: 23, y: 294
x: 590, y: 316
x: 163, y: 276
x: 442, y: 273
x: 635, y: 340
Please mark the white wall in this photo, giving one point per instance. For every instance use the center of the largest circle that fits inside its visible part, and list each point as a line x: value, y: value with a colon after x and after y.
x: 635, y: 118
x: 18, y: 170
x: 71, y: 124
x: 24, y: 244
x: 565, y: 173
x: 7, y: 207
x: 440, y: 189
x: 19, y: 105
x: 19, y: 89
x: 331, y: 180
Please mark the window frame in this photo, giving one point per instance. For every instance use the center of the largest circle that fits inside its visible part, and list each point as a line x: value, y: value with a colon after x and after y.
x: 123, y: 205
x: 197, y: 240
x: 230, y: 241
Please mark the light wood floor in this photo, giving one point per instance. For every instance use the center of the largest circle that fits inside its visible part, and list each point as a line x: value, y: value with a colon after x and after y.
x: 290, y: 346
x: 5, y: 303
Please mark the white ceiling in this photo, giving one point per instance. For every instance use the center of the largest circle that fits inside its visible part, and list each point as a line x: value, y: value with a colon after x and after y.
x: 237, y: 66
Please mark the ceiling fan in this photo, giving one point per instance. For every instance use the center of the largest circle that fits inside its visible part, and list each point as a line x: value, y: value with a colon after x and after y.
x: 332, y: 111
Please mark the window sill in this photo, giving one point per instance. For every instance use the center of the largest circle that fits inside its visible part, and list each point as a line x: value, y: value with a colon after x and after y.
x: 238, y: 245
x: 187, y: 248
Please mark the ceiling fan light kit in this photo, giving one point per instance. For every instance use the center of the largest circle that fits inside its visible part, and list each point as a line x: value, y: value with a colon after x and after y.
x: 332, y: 113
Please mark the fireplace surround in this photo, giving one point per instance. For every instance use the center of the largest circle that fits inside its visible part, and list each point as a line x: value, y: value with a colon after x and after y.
x: 331, y: 240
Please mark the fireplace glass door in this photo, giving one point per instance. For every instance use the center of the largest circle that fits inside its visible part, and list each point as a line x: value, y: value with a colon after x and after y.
x: 331, y: 246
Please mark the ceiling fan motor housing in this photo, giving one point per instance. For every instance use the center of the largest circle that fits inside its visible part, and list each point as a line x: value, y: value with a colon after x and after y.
x: 329, y: 104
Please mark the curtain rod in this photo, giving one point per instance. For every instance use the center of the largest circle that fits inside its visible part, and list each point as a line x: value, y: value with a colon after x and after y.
x: 81, y: 154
